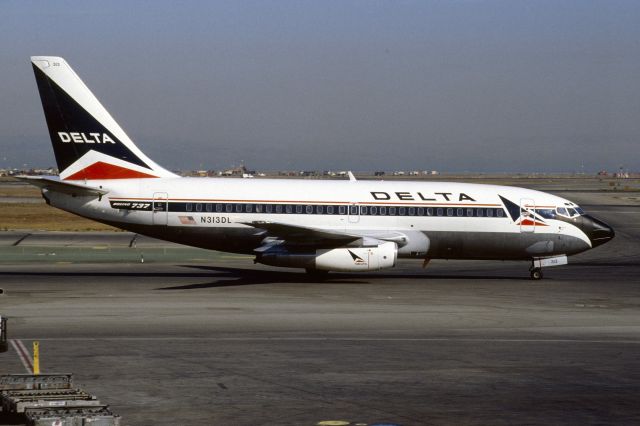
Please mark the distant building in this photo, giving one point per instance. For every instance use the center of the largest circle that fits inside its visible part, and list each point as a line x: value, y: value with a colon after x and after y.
x: 235, y: 171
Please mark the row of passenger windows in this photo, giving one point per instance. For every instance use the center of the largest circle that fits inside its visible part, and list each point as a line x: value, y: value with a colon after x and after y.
x: 362, y: 210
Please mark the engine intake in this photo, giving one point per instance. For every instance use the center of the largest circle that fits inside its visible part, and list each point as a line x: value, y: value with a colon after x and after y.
x: 345, y: 259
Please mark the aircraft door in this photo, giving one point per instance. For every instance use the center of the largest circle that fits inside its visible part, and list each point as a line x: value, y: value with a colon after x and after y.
x: 527, y: 220
x: 160, y: 208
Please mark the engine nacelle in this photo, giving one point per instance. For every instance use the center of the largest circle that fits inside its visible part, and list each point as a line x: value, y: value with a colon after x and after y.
x: 339, y: 259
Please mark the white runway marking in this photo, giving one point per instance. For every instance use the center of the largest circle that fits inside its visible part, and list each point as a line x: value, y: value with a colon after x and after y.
x: 23, y: 354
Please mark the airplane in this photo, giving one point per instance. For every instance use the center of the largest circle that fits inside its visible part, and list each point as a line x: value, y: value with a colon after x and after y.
x: 317, y: 225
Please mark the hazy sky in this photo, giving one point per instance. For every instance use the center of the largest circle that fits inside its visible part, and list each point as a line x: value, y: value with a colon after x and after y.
x: 364, y: 85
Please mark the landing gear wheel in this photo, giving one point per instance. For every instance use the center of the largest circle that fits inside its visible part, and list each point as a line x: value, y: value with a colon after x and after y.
x: 536, y: 274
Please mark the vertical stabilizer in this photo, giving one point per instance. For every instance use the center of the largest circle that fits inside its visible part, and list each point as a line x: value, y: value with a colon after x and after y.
x: 87, y: 141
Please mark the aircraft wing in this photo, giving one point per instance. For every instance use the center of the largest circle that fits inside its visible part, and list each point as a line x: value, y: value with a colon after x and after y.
x: 61, y: 186
x: 302, y: 235
x: 322, y: 238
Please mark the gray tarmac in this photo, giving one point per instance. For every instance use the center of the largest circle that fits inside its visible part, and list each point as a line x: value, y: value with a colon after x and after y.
x: 180, y: 340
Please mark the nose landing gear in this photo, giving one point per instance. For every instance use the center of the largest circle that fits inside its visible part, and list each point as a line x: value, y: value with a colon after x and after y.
x: 537, y: 263
x: 536, y: 273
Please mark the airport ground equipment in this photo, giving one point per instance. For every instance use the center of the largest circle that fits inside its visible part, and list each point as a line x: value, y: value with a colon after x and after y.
x: 40, y: 381
x: 17, y: 401
x: 4, y: 344
x: 46, y: 399
x: 95, y: 416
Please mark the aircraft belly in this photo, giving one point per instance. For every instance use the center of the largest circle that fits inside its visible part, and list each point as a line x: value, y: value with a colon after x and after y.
x: 500, y: 245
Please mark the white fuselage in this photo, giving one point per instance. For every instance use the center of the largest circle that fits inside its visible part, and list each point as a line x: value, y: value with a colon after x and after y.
x: 441, y: 219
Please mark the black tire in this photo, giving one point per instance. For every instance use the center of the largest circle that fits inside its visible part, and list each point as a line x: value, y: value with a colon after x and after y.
x: 536, y: 274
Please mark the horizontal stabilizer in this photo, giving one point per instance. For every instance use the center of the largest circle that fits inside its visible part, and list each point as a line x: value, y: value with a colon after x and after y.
x: 57, y: 185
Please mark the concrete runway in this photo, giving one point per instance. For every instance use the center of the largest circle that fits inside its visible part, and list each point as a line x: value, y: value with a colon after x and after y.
x: 226, y: 342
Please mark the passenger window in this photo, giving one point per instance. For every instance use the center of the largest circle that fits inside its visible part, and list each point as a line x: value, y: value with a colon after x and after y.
x: 208, y: 207
x: 449, y: 211
x: 402, y: 211
x: 319, y: 209
x: 329, y: 209
x: 479, y: 212
x: 363, y: 210
x: 309, y: 209
x: 268, y: 208
x: 298, y: 209
x: 228, y: 208
x: 189, y: 207
x: 278, y: 208
x: 342, y: 209
x: 288, y: 208
x: 373, y: 210
x: 499, y: 213
x: 459, y: 212
x: 470, y: 212
x: 249, y: 208
x: 412, y: 211
x: 392, y: 211
x: 440, y: 211
x: 489, y: 212
x: 238, y: 208
x: 218, y: 208
x: 258, y: 208
x: 430, y: 211
x: 198, y: 207
x: 353, y: 210
x: 420, y: 211
x: 383, y: 211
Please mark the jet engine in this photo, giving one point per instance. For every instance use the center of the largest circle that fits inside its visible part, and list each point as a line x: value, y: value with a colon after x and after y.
x: 343, y: 259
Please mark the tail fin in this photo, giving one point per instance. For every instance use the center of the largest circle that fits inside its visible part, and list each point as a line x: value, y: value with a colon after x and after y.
x: 87, y: 141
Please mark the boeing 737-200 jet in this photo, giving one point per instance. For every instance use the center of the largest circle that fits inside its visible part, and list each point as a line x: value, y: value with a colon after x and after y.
x: 317, y: 225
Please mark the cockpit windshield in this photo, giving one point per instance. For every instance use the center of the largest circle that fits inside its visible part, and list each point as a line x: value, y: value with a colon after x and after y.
x: 546, y: 213
x: 569, y: 211
x: 551, y: 213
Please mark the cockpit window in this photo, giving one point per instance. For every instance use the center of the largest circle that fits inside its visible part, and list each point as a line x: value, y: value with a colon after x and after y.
x: 546, y: 213
x: 569, y: 211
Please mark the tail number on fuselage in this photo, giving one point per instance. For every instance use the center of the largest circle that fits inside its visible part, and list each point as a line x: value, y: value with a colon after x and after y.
x: 214, y: 219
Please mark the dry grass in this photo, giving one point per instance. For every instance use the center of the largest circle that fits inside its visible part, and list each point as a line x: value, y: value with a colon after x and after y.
x: 39, y: 216
x: 19, y: 191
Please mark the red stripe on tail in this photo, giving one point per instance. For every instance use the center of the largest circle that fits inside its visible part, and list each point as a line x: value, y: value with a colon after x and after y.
x: 102, y: 170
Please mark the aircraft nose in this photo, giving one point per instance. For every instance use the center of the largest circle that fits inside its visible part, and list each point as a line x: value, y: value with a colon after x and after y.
x: 597, y: 231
